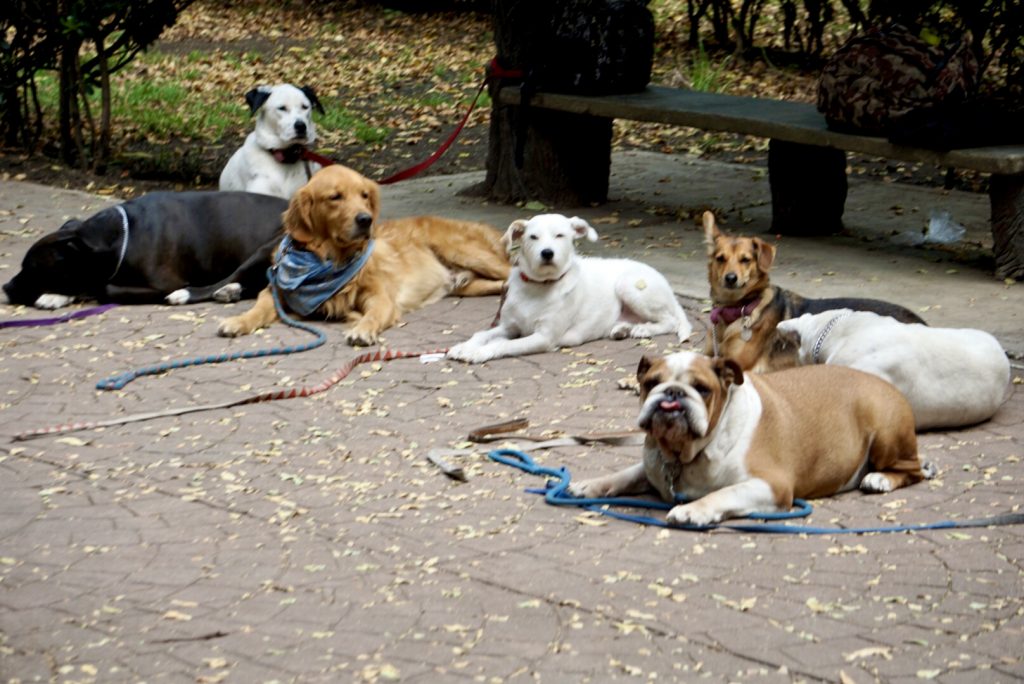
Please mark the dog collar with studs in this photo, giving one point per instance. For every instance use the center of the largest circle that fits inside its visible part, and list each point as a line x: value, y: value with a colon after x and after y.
x: 815, y: 354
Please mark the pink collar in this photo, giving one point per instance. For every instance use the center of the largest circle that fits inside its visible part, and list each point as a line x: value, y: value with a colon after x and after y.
x: 728, y: 314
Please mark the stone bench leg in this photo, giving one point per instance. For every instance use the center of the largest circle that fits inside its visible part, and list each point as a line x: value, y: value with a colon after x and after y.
x: 808, y: 185
x: 1006, y: 194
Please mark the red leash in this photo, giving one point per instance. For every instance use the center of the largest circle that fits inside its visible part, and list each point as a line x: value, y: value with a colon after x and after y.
x: 494, y: 71
x: 268, y: 395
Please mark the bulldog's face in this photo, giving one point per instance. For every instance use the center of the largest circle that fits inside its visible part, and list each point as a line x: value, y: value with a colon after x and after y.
x: 544, y: 246
x: 682, y: 397
x: 57, y: 263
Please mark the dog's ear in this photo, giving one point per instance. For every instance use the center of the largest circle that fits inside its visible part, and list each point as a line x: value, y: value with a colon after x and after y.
x: 298, y: 218
x: 70, y: 224
x: 728, y: 371
x: 256, y: 97
x: 514, y: 233
x: 313, y: 99
x: 582, y: 229
x: 374, y: 198
x: 765, y: 254
x: 711, y: 232
x: 643, y: 366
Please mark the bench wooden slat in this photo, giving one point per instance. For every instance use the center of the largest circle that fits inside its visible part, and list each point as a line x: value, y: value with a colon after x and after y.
x: 797, y: 122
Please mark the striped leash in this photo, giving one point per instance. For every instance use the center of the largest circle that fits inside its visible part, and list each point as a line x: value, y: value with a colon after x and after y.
x: 122, y: 379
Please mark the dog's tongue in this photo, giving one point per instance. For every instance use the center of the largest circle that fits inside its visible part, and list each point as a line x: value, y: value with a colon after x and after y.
x: 671, y: 405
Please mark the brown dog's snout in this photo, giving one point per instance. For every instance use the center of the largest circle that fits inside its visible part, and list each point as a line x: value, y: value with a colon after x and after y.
x: 731, y: 279
x: 364, y: 222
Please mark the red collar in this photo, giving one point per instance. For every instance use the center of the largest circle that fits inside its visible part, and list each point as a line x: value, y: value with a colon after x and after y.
x: 728, y: 314
x: 296, y: 153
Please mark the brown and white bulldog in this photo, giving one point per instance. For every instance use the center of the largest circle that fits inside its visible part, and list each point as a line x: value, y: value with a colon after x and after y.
x: 732, y: 444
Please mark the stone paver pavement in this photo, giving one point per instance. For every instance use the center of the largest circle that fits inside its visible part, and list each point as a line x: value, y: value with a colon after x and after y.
x: 310, y: 540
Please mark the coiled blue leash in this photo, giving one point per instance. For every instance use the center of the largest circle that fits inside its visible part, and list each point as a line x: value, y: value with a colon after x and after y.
x: 555, y: 493
x: 116, y: 382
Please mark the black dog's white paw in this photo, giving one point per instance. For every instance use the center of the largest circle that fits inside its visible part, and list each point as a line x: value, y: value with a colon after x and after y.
x: 232, y: 292
x: 53, y: 301
x: 178, y: 297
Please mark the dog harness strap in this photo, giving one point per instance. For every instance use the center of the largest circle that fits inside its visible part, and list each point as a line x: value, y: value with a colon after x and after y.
x: 124, y: 240
x: 304, y: 282
x: 824, y: 333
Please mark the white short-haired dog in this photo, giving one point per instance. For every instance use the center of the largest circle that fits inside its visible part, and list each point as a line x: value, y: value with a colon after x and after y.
x: 951, y: 376
x: 558, y: 299
x: 272, y: 161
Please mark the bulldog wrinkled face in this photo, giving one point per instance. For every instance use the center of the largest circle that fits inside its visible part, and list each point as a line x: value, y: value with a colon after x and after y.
x: 681, y: 398
x: 334, y: 214
x: 737, y: 266
x: 544, y: 245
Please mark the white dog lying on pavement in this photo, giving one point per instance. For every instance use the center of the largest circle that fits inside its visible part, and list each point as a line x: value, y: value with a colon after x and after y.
x: 951, y: 376
x: 558, y: 299
x: 271, y: 160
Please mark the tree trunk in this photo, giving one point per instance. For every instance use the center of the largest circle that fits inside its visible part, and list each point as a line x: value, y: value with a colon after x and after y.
x: 72, y: 148
x: 558, y: 158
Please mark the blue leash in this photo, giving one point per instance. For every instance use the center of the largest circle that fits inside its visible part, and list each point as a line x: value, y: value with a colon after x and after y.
x: 118, y: 381
x: 555, y: 493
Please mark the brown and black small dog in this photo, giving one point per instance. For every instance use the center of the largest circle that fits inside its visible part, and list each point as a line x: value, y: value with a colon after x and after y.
x: 746, y: 307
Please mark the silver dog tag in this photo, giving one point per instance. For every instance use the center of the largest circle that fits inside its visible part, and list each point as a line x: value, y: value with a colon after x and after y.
x: 746, y: 333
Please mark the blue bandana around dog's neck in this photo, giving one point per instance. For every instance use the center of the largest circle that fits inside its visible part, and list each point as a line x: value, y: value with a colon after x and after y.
x: 304, y: 282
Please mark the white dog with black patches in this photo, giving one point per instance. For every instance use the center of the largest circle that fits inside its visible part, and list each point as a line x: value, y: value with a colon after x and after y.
x: 272, y: 159
x: 734, y: 444
x: 951, y: 376
x: 557, y: 298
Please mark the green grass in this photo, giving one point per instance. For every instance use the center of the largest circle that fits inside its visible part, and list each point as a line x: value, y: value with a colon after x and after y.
x: 707, y: 76
x: 158, y: 109
x: 339, y: 119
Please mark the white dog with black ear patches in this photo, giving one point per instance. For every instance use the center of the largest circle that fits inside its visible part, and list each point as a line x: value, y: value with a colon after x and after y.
x: 271, y: 161
x: 559, y: 299
x: 951, y: 376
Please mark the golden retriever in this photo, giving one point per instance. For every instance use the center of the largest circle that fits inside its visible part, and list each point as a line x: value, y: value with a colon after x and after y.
x: 415, y: 261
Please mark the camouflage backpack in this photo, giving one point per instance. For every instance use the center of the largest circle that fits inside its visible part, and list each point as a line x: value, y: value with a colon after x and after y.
x: 887, y: 72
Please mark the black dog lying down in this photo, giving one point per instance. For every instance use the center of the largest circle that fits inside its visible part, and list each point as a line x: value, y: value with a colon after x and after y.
x: 177, y: 247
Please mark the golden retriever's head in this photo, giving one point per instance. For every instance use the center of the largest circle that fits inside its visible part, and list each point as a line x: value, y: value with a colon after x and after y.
x: 737, y: 266
x: 334, y: 213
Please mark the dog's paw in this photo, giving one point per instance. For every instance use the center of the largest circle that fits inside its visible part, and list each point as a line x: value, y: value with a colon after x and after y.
x: 876, y: 483
x: 693, y: 514
x: 233, y: 327
x: 469, y: 353
x: 53, y: 301
x: 929, y: 470
x: 178, y: 297
x: 621, y: 331
x: 590, y: 489
x: 232, y: 292
x: 361, y: 338
x: 458, y: 280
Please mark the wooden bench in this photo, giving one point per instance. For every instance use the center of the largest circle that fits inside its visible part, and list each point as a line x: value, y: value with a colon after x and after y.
x: 806, y: 160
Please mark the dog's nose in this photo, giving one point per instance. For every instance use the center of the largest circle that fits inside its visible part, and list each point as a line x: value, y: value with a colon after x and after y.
x: 547, y: 254
x: 730, y: 279
x: 300, y: 128
x: 363, y: 222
